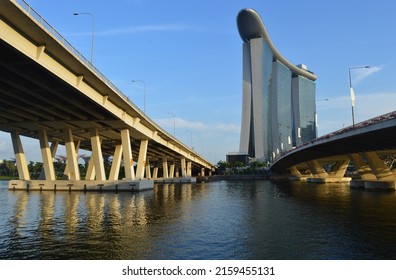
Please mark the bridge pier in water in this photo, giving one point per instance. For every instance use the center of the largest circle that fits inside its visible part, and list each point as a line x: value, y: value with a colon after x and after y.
x: 371, y: 169
x: 95, y: 175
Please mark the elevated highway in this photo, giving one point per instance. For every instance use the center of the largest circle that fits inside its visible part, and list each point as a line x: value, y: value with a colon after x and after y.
x: 370, y: 146
x: 50, y: 92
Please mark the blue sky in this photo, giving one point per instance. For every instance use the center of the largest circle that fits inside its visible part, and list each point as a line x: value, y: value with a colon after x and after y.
x: 189, y: 54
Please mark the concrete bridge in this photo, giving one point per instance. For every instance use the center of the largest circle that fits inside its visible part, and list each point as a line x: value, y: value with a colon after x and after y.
x: 370, y: 146
x: 50, y: 92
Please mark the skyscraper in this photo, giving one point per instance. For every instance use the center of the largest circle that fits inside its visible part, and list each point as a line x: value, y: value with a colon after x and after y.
x: 278, y: 98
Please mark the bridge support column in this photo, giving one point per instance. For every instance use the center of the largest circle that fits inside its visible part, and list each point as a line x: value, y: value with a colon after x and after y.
x: 127, y: 154
x: 363, y: 168
x: 316, y: 169
x: 148, y: 171
x: 203, y: 171
x: 53, y: 149
x: 165, y: 167
x: 189, y: 169
x: 374, y: 173
x: 296, y: 174
x: 66, y: 172
x: 155, y: 173
x: 183, y: 167
x: 116, y: 164
x: 97, y: 155
x: 141, y: 164
x: 20, y: 157
x: 90, y: 174
x: 380, y: 170
x: 72, y: 164
x: 336, y: 175
x: 339, y: 168
x: 48, y: 164
x: 172, y: 171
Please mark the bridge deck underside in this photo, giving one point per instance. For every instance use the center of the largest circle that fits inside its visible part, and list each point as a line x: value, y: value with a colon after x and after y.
x: 33, y: 99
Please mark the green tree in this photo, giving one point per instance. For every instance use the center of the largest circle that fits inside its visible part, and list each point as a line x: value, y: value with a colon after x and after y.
x: 222, y: 166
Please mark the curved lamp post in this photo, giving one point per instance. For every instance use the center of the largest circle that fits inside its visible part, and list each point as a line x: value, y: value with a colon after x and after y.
x: 93, y: 31
x: 352, y: 92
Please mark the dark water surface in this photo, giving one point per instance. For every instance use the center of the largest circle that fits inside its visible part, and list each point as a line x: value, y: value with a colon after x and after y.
x: 218, y: 220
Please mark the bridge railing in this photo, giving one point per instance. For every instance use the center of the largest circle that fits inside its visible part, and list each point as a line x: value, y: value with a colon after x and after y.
x: 48, y: 27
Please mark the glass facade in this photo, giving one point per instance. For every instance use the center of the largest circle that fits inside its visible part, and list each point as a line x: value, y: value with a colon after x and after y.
x: 279, y: 107
x: 266, y: 118
x: 304, y: 110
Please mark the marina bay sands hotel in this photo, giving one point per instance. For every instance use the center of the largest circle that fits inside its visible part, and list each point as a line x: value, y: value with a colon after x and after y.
x: 278, y: 104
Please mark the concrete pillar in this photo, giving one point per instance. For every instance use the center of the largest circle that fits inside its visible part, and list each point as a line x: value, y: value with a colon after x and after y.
x: 53, y: 149
x: 97, y: 155
x: 148, y: 171
x: 48, y: 163
x: 66, y: 172
x: 20, y: 157
x: 141, y: 164
x: 116, y: 164
x: 155, y: 173
x: 72, y: 163
x: 165, y: 167
x: 183, y: 167
x: 172, y: 171
x: 339, y: 169
x: 90, y: 174
x: 189, y: 169
x: 127, y: 154
x: 203, y: 171
x: 317, y: 169
x: 378, y: 167
x: 295, y: 172
x: 363, y: 168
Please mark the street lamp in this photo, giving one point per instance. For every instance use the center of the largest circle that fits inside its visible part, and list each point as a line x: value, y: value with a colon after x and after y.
x: 174, y: 123
x: 144, y: 85
x: 93, y: 31
x: 352, y: 92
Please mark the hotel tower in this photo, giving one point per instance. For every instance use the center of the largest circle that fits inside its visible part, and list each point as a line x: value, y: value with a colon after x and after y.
x: 278, y: 103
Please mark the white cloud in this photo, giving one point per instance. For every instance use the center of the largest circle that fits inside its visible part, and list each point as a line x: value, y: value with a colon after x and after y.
x: 336, y: 113
x: 3, y: 147
x: 360, y: 74
x: 143, y: 29
x: 180, y: 123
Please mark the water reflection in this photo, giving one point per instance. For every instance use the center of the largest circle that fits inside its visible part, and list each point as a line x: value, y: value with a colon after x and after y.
x: 219, y: 220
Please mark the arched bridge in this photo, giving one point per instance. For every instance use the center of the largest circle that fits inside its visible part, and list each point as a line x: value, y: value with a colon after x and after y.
x: 50, y: 92
x: 370, y: 146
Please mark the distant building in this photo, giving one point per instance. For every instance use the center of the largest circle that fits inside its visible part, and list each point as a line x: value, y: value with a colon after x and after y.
x: 278, y: 103
x: 238, y: 157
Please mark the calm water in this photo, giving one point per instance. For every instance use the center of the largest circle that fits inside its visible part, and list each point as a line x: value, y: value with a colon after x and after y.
x: 219, y: 220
